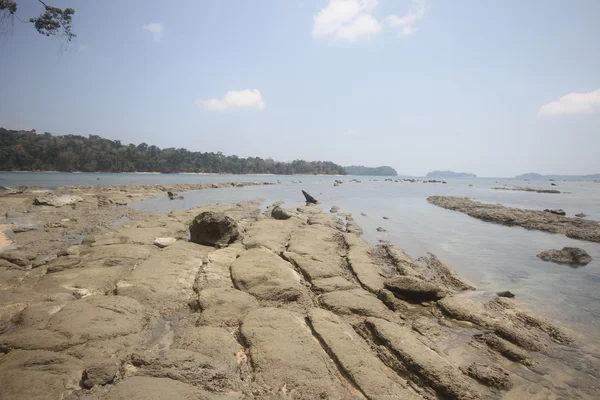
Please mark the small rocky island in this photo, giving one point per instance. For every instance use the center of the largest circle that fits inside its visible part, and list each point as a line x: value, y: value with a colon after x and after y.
x: 449, y: 174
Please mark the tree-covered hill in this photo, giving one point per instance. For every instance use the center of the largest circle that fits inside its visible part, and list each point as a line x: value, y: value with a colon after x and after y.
x: 28, y: 151
x: 371, y: 171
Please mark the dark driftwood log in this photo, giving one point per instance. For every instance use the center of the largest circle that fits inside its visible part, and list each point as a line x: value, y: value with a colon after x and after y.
x: 309, y: 198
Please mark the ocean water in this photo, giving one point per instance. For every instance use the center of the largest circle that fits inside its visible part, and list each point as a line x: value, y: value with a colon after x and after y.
x: 493, y: 257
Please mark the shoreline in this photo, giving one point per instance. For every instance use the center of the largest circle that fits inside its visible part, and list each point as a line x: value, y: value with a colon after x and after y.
x: 122, y: 312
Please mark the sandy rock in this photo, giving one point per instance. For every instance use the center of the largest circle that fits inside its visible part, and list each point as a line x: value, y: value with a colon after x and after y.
x: 568, y: 255
x: 436, y: 271
x: 368, y: 273
x: 270, y: 233
x: 557, y: 211
x: 214, y: 229
x: 334, y: 209
x: 266, y: 276
x: 38, y: 375
x: 116, y: 251
x: 505, y: 348
x: 163, y: 242
x: 465, y: 309
x: 280, y: 213
x: 506, y: 293
x: 332, y: 284
x: 216, y: 343
x: 101, y: 373
x: 380, y: 229
x: 215, y: 269
x: 356, y: 302
x: 314, y: 249
x: 373, y: 378
x: 57, y: 200
x: 9, y: 265
x: 489, y: 375
x: 286, y: 355
x: 414, y: 289
x: 423, y: 362
x: 224, y: 306
x: 19, y: 257
x: 581, y: 215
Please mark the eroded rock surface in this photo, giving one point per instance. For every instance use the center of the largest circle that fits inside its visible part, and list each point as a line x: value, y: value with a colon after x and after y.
x: 568, y: 255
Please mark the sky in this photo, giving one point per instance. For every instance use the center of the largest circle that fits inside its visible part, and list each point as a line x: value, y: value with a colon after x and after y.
x: 496, y: 88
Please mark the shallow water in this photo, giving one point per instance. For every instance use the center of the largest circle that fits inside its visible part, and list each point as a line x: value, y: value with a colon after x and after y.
x: 493, y: 257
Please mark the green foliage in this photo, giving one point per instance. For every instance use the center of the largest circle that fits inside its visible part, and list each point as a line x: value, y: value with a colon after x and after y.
x: 371, y: 171
x: 53, y: 21
x: 28, y: 151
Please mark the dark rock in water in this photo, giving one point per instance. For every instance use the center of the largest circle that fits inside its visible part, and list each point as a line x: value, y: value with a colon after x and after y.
x: 386, y: 217
x: 553, y: 184
x: 581, y: 215
x: 280, y: 213
x: 336, y: 184
x: 568, y: 255
x: 506, y: 293
x: 414, y: 289
x: 380, y: 229
x: 214, y: 229
x: 309, y: 198
x: 559, y: 211
x: 489, y: 375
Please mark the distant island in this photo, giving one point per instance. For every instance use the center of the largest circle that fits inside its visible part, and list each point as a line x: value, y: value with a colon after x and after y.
x: 533, y: 176
x: 29, y: 151
x: 370, y: 171
x: 449, y: 174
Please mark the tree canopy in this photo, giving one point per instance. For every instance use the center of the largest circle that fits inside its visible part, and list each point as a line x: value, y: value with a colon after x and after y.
x: 53, y: 21
x: 29, y: 151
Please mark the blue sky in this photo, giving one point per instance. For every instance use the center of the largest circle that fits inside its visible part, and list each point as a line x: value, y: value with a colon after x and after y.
x: 496, y: 88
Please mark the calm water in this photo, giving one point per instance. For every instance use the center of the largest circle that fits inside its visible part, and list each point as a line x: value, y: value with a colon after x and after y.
x: 492, y: 256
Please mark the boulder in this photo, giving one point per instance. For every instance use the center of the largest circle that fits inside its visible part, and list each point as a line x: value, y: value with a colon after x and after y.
x: 57, y: 200
x: 280, y: 213
x: 334, y: 209
x: 309, y: 198
x: 214, y: 229
x: 568, y: 255
x: 558, y: 211
x: 102, y: 373
x: 581, y: 215
x: 380, y: 229
x: 414, y: 289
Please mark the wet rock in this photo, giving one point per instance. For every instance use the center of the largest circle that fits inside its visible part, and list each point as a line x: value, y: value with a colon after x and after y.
x: 507, y: 294
x: 363, y: 368
x: 224, y: 306
x: 214, y: 229
x: 57, y: 200
x: 504, y: 347
x: 581, y: 215
x: 102, y: 373
x: 568, y: 255
x: 163, y: 242
x: 386, y: 217
x: 391, y: 301
x: 309, y: 198
x: 559, y: 211
x: 465, y: 309
x: 363, y: 214
x: 38, y: 375
x: 19, y: 257
x: 266, y: 276
x: 575, y: 228
x: 414, y: 289
x: 332, y: 284
x: 434, y: 270
x: 489, y: 375
x: 280, y: 213
x: 285, y: 354
x: 423, y: 362
x: 380, y: 229
x: 356, y: 302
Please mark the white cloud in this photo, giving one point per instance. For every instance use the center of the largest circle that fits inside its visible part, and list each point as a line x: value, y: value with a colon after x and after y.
x: 83, y: 47
x: 573, y: 104
x: 249, y: 98
x: 407, y: 22
x: 156, y: 29
x: 350, y: 132
x: 346, y: 20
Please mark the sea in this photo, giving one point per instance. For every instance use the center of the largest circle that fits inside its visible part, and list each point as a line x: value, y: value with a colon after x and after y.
x: 493, y: 257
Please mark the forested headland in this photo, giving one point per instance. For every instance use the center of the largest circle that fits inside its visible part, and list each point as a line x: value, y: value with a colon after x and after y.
x: 29, y: 151
x: 371, y: 171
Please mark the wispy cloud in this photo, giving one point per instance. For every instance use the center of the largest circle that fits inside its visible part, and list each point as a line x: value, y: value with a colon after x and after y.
x: 248, y: 98
x: 407, y: 22
x: 156, y: 29
x: 350, y: 20
x: 573, y: 104
x: 346, y: 20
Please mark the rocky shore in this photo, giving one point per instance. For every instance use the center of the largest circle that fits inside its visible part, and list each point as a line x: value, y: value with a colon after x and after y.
x: 527, y: 189
x: 547, y: 221
x: 282, y: 308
